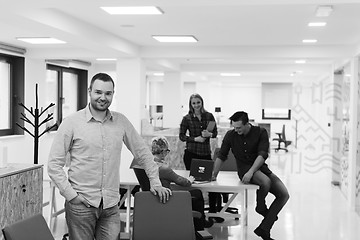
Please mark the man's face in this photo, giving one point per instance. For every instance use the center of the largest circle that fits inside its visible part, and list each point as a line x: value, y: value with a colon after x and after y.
x: 101, y: 95
x: 239, y: 127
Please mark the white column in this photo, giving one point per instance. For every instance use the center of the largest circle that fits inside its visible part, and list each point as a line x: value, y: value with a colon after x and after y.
x: 172, y: 112
x: 354, y: 128
x: 130, y: 98
x: 130, y: 90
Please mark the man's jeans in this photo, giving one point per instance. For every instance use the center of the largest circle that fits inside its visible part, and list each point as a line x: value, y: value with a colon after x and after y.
x: 269, y: 183
x: 87, y: 223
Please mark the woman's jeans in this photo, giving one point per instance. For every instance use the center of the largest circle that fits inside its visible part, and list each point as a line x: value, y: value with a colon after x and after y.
x: 269, y: 183
x: 87, y: 223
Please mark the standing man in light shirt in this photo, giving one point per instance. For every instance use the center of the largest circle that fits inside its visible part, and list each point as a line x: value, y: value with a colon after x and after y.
x: 91, y: 140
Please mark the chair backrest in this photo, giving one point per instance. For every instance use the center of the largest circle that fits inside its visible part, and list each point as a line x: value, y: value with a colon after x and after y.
x: 283, y: 133
x: 229, y: 164
x: 267, y: 127
x: 32, y: 228
x: 142, y: 178
x: 155, y: 220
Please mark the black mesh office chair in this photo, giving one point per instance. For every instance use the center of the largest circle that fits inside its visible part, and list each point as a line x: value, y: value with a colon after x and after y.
x: 281, y: 139
x: 228, y: 165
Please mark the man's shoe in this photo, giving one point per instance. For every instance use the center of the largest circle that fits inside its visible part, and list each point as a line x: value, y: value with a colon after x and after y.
x: 263, y: 234
x: 208, y: 223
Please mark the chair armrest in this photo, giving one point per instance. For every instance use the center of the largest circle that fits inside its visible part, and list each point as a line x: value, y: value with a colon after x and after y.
x: 196, y: 214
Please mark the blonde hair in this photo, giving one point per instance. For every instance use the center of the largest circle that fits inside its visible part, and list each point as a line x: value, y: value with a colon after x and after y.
x: 158, y: 144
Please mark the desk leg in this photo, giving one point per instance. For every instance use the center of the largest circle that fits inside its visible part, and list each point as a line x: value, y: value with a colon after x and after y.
x: 128, y: 196
x: 244, y: 214
x: 245, y: 207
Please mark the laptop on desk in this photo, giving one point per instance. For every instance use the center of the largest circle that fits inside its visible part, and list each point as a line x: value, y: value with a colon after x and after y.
x: 201, y: 170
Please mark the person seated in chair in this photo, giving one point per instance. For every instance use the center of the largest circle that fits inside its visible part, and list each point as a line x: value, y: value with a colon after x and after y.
x: 160, y: 149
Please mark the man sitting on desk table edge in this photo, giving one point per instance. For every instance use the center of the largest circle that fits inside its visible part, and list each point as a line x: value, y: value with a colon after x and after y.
x: 250, y: 146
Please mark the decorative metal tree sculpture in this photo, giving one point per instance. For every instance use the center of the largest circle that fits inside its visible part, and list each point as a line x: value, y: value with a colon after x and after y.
x: 36, y: 114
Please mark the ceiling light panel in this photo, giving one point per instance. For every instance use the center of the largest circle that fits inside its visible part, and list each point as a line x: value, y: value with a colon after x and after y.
x: 309, y: 41
x: 135, y: 10
x: 184, y: 39
x: 40, y: 40
x: 159, y: 74
x: 230, y: 74
x: 317, y: 24
x: 106, y: 59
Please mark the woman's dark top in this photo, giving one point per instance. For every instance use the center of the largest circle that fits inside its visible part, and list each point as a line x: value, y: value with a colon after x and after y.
x: 192, y: 124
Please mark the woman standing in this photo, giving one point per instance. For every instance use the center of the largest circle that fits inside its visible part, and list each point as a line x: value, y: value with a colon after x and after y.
x: 198, y: 138
x: 196, y: 132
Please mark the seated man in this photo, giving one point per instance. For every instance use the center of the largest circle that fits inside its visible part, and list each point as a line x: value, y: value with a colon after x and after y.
x: 160, y: 148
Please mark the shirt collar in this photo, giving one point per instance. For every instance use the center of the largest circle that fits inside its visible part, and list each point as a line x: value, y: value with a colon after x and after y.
x: 89, y: 116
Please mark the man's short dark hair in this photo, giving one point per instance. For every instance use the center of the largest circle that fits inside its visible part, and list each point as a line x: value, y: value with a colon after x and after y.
x: 240, y: 116
x: 103, y: 77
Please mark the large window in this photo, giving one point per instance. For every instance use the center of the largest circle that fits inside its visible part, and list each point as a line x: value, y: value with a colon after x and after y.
x: 67, y: 88
x: 11, y: 93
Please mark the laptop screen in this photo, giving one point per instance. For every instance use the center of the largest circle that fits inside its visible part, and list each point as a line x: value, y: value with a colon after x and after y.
x: 201, y: 169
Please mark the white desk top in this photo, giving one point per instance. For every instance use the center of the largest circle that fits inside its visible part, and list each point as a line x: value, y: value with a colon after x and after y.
x: 227, y: 181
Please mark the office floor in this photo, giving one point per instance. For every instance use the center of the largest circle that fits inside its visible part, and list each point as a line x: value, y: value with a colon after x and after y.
x: 316, y: 209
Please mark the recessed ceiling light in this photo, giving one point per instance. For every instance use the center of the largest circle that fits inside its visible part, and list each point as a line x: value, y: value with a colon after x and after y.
x: 40, y: 40
x: 174, y: 38
x: 106, y: 59
x: 317, y: 24
x: 230, y: 74
x: 324, y: 11
x: 133, y: 10
x: 300, y: 61
x: 159, y: 74
x: 309, y: 41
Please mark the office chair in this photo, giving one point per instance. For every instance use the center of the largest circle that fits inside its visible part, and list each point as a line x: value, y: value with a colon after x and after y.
x: 228, y: 165
x: 32, y: 228
x: 155, y: 220
x: 145, y: 187
x: 282, y: 139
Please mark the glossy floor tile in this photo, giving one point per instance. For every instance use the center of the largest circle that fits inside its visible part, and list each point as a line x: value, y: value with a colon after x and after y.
x: 316, y: 210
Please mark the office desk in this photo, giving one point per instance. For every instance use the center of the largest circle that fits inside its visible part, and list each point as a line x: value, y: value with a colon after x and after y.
x: 227, y: 181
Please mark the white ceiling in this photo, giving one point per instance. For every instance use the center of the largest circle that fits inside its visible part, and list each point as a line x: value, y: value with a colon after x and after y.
x: 258, y: 38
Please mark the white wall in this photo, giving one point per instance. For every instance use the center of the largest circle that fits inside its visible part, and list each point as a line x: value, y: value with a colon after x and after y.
x: 20, y: 147
x: 308, y: 103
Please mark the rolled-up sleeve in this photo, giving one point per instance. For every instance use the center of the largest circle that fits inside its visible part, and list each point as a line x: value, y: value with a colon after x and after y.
x: 263, y: 147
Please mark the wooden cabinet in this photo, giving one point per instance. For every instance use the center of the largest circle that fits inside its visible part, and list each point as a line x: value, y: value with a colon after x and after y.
x: 21, y: 192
